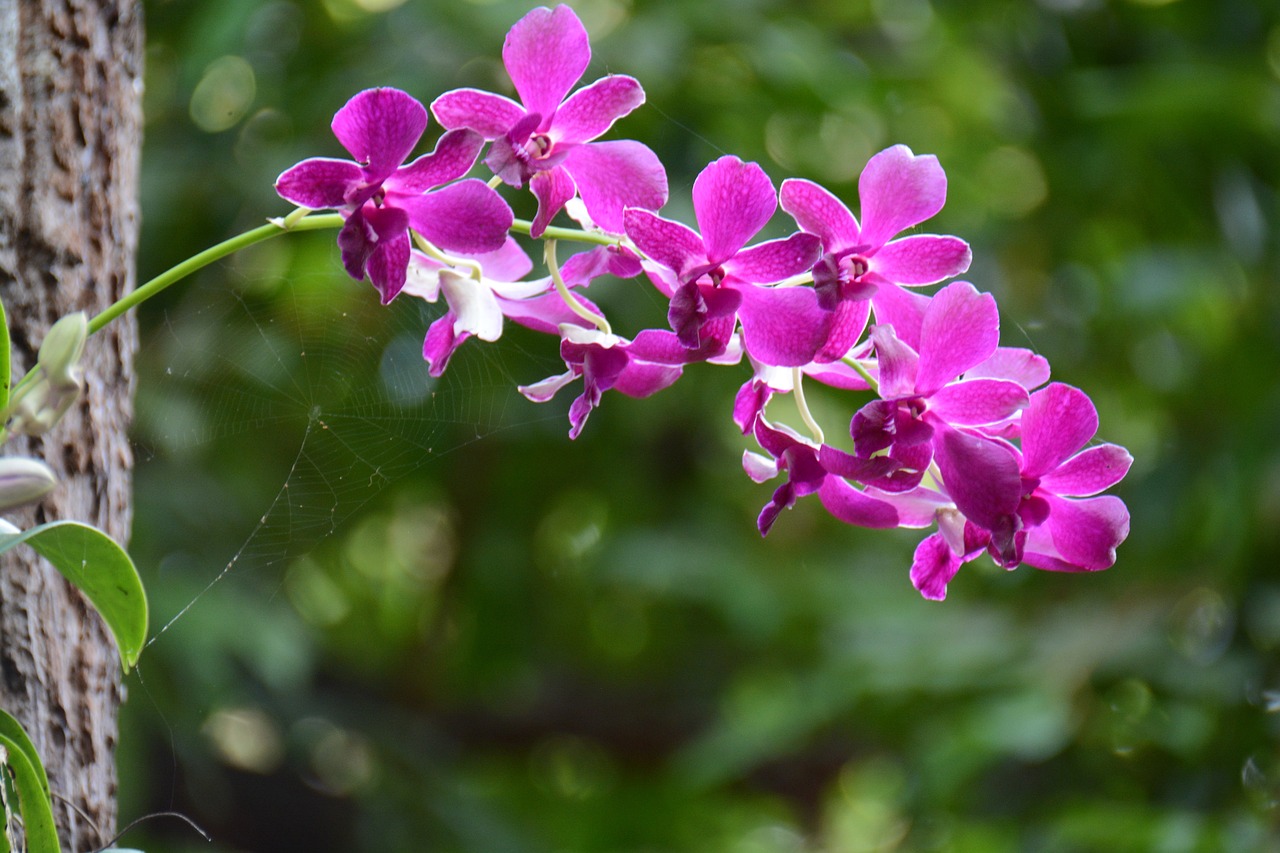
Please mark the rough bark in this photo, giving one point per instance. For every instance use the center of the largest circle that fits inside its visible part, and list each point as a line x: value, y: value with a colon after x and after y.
x: 70, y: 129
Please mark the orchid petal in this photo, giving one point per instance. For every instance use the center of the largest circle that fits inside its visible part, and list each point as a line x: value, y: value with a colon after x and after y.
x: 545, y: 313
x: 732, y: 201
x: 781, y: 326
x: 380, y: 127
x: 546, y: 52
x: 961, y: 328
x: 775, y: 260
x: 388, y: 263
x: 933, y: 566
x: 819, y: 212
x: 847, y: 323
x: 488, y: 114
x: 978, y: 401
x: 1015, y: 364
x: 612, y: 176
x: 902, y: 309
x: 1058, y: 422
x: 922, y: 259
x: 468, y: 217
x: 593, y: 109
x: 474, y: 304
x: 544, y: 390
x: 1088, y: 472
x: 854, y: 507
x: 1085, y: 533
x: 672, y: 244
x: 899, y: 190
x: 897, y: 364
x: 641, y: 379
x: 981, y: 476
x: 320, y: 183
x: 454, y: 155
x: 440, y: 344
x: 552, y: 188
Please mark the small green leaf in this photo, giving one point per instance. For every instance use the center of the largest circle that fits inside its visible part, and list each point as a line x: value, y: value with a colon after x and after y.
x: 33, y: 800
x: 102, y: 570
x: 12, y: 729
x: 4, y: 358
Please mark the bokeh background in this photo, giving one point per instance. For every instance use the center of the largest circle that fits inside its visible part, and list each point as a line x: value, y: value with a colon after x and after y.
x: 410, y: 615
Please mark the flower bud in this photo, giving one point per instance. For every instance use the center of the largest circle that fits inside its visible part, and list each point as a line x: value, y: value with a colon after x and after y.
x: 23, y: 481
x: 61, y: 350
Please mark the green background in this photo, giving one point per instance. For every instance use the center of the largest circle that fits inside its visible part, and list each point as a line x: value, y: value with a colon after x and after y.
x: 438, y: 624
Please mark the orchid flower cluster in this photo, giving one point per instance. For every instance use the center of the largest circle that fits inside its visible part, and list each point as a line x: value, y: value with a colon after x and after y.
x: 956, y: 431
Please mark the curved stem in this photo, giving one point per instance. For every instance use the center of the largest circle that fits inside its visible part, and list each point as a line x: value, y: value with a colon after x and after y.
x: 213, y: 253
x: 569, y: 299
x: 797, y: 383
x: 523, y: 226
x: 862, y: 371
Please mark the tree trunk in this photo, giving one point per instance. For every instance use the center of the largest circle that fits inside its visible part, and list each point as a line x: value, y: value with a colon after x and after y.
x: 70, y: 130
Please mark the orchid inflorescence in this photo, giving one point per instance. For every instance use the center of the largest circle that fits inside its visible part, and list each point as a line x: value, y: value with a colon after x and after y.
x: 960, y: 431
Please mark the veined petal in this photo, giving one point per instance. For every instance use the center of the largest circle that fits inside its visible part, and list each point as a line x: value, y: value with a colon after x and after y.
x: 452, y: 158
x: 922, y: 259
x: 1058, y: 422
x: 388, y: 263
x: 545, y: 313
x: 819, y: 212
x: 853, y: 507
x: 977, y: 401
x: 899, y: 190
x: 848, y: 321
x: 981, y: 476
x: 933, y: 567
x: 672, y: 244
x: 1015, y: 364
x: 961, y: 328
x: 896, y: 363
x: 1085, y: 532
x: 641, y: 379
x: 552, y: 188
x: 507, y: 264
x: 775, y: 260
x: 593, y: 109
x: 781, y: 326
x: 545, y: 53
x: 732, y: 201
x: 320, y: 183
x: 612, y: 176
x: 1089, y: 472
x: 902, y: 309
x: 917, y: 508
x: 464, y: 217
x: 380, y: 127
x: 488, y: 114
x: 440, y: 344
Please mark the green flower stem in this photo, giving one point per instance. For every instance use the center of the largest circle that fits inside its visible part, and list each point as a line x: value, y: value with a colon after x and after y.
x: 213, y: 253
x: 569, y: 299
x: 522, y: 226
x: 862, y: 371
x: 797, y: 382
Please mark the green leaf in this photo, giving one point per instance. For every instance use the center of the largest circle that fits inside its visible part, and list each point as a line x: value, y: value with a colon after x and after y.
x: 102, y: 570
x: 33, y: 799
x: 4, y: 358
x: 13, y: 730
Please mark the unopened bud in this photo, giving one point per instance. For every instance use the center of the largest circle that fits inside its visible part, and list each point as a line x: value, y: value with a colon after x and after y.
x: 24, y: 481
x: 61, y: 350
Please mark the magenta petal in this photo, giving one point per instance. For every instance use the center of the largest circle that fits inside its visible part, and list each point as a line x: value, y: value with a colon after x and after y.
x: 1058, y: 422
x: 775, y: 260
x: 1088, y: 472
x: 978, y: 401
x: 320, y: 182
x: 488, y: 114
x: 552, y: 189
x: 464, y: 217
x: 380, y: 127
x: 388, y: 265
x: 545, y: 53
x: 981, y: 476
x: 544, y: 313
x: 1015, y: 364
x: 509, y: 263
x: 896, y: 364
x: 732, y: 201
x: 452, y: 158
x: 1087, y: 532
x: 593, y: 109
x: 781, y: 326
x: 848, y: 320
x: 853, y: 507
x: 819, y: 212
x: 612, y: 176
x: 922, y: 259
x: 672, y: 244
x: 933, y: 567
x: 441, y: 343
x: 961, y: 328
x: 356, y: 241
x: 901, y: 309
x: 640, y: 379
x: 899, y: 190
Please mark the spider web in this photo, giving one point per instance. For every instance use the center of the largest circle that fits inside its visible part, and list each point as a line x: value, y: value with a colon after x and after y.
x: 268, y: 420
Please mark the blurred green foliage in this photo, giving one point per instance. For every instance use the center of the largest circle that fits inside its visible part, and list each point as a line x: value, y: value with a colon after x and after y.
x: 437, y: 624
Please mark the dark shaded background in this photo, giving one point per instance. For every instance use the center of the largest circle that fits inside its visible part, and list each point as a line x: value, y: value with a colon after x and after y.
x: 446, y: 627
